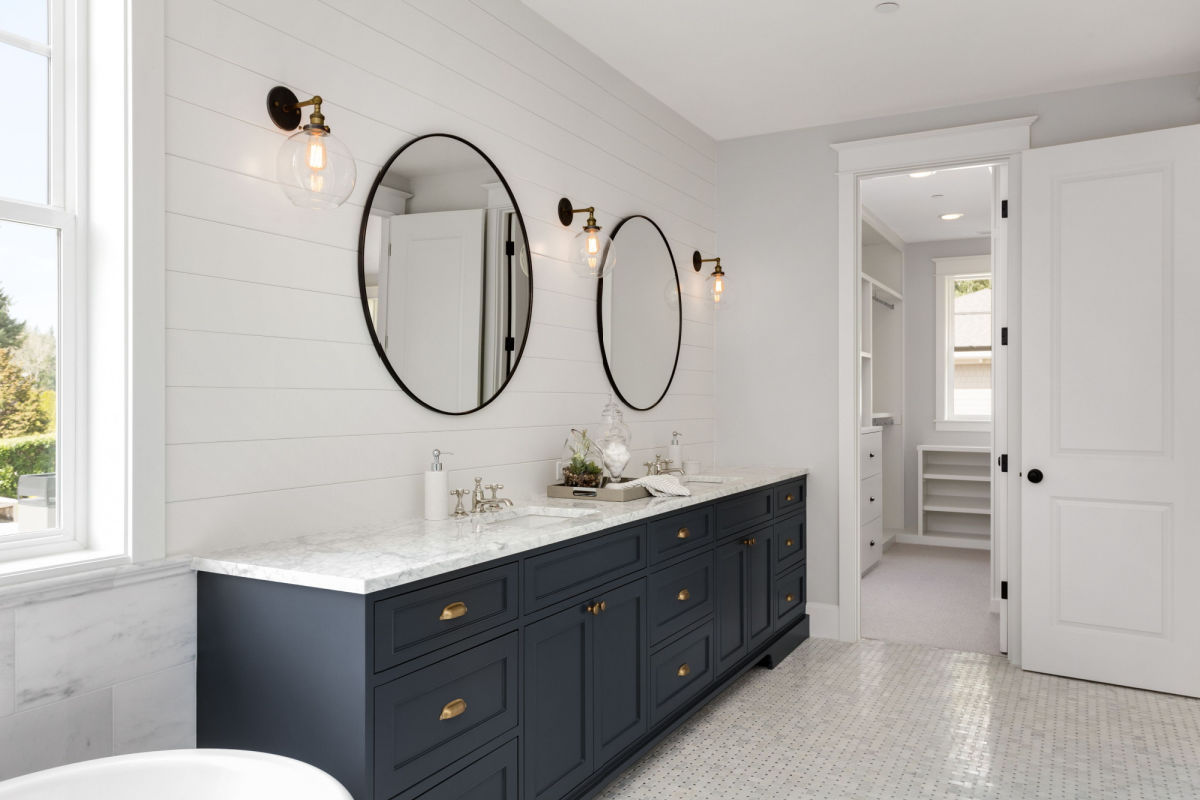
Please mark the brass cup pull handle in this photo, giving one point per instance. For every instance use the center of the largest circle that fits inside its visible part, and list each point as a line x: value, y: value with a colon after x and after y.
x: 453, y: 709
x: 683, y: 533
x: 683, y: 671
x: 684, y: 594
x: 749, y: 542
x: 790, y: 598
x: 453, y: 611
x: 788, y: 498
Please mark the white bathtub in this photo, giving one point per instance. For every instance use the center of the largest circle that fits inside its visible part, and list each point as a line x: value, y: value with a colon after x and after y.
x: 179, y: 775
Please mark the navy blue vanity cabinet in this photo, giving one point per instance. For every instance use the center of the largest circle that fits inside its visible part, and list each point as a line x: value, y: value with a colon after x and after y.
x: 538, y: 676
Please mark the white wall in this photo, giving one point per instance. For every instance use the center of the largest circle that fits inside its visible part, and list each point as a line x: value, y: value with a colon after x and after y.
x: 920, y: 360
x: 280, y: 418
x: 777, y: 223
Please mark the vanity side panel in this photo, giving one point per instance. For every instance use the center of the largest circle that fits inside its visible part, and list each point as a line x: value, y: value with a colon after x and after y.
x: 283, y: 669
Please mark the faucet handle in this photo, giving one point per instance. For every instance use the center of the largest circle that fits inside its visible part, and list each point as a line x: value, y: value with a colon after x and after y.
x: 494, y: 488
x: 459, y: 510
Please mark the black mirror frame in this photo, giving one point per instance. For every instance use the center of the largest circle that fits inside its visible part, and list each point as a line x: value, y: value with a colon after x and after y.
x: 362, y: 277
x: 600, y: 318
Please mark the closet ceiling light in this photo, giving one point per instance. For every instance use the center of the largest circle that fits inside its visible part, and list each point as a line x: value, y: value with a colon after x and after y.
x: 952, y: 216
x: 887, y: 8
x: 314, y: 169
x: 922, y: 174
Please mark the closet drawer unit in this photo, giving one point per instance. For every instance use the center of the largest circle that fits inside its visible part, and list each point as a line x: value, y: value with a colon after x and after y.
x: 415, y: 623
x: 870, y: 499
x: 791, y: 537
x: 789, y: 497
x: 744, y: 511
x: 679, y: 672
x: 431, y: 718
x: 790, y: 591
x: 680, y: 596
x: 493, y: 777
x: 577, y: 568
x: 870, y: 453
x: 680, y: 534
x: 872, y: 543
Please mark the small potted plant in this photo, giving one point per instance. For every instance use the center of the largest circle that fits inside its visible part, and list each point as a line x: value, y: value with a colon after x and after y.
x: 581, y: 470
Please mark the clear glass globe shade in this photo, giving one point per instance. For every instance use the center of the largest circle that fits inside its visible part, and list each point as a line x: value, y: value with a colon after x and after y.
x: 596, y: 256
x: 315, y: 169
x: 717, y: 284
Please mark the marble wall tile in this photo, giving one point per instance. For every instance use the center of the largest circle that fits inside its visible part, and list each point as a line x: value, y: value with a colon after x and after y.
x: 79, y: 644
x: 7, y: 662
x: 56, y: 734
x: 156, y: 712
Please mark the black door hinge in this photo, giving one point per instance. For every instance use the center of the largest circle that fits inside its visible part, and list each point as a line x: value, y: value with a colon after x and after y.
x: 1004, y: 335
x: 1003, y: 209
x: 1003, y: 462
x: 1003, y: 590
x: 510, y: 248
x: 510, y: 344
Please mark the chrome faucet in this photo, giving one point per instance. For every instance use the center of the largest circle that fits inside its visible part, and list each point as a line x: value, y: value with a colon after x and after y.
x: 660, y: 466
x: 481, y: 504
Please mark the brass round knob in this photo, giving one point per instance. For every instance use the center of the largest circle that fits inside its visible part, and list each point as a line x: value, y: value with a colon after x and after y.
x: 788, y: 543
x: 684, y: 594
x: 788, y: 498
x: 790, y: 598
x: 749, y: 542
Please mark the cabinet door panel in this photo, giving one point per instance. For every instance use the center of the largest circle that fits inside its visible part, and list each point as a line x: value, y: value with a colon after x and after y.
x: 572, y: 570
x: 619, y: 644
x: 760, y: 588
x: 493, y: 777
x: 731, y: 636
x: 558, y: 701
x: 680, y: 596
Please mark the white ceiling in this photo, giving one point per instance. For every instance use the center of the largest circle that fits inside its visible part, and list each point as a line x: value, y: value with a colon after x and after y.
x: 909, y: 207
x: 743, y: 67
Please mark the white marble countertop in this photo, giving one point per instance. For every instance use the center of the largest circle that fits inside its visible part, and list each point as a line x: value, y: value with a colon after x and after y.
x: 369, y: 558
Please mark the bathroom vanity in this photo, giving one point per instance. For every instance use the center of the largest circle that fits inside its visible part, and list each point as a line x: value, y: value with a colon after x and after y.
x: 531, y: 657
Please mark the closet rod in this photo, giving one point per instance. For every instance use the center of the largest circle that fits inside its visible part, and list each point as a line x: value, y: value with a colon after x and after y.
x: 882, y: 302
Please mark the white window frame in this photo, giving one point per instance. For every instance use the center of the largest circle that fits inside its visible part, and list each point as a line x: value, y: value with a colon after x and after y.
x: 946, y: 272
x: 112, y: 307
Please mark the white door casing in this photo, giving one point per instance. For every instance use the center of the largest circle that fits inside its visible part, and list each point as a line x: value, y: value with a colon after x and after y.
x: 1110, y: 544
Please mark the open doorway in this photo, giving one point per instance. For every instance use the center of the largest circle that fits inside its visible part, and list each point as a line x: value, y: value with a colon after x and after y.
x: 928, y: 338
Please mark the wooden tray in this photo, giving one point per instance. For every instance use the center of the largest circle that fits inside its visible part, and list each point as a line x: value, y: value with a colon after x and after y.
x: 613, y: 492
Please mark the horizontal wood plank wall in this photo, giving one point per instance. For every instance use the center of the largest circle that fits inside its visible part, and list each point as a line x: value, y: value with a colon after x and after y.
x: 280, y: 419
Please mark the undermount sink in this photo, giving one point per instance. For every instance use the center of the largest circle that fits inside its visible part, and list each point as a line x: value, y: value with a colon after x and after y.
x: 533, y: 515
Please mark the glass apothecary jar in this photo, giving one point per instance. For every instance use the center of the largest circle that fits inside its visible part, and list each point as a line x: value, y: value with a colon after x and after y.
x: 613, y: 439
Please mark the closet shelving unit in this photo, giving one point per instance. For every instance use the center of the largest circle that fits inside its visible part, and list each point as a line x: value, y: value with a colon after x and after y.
x: 954, y: 494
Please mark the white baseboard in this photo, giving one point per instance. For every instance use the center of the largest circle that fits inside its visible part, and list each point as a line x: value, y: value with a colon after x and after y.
x: 823, y: 620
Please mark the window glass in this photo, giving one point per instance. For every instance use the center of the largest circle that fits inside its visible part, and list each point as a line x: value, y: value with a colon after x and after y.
x: 29, y: 257
x: 26, y: 18
x: 26, y: 137
x: 971, y: 372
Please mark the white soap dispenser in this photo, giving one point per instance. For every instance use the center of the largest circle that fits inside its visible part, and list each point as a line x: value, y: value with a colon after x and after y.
x: 675, y: 451
x: 437, y: 489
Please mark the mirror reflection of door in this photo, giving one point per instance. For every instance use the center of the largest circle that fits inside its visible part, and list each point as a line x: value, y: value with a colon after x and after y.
x: 445, y: 276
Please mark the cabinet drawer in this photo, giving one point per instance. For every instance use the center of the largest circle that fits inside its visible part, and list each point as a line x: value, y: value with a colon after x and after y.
x: 430, y: 718
x: 415, y: 623
x: 870, y: 499
x: 744, y: 511
x: 872, y: 543
x: 680, y: 534
x: 870, y: 454
x: 789, y: 496
x: 791, y: 541
x: 679, y: 672
x: 790, y: 596
x: 574, y: 569
x: 493, y: 777
x: 680, y: 596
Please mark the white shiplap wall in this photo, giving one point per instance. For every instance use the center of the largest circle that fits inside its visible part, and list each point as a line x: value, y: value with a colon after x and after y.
x: 280, y: 419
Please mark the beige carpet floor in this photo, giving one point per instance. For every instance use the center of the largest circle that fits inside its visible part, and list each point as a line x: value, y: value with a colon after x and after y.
x: 935, y: 596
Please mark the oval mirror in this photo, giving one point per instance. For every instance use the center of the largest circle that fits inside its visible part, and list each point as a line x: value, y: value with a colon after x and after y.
x: 444, y: 274
x: 640, y: 314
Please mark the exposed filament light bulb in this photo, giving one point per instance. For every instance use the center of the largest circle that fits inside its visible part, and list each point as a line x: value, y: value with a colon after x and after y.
x: 316, y: 152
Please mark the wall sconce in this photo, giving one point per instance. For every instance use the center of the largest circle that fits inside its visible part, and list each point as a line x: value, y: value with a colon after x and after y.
x: 716, y: 281
x: 314, y: 169
x: 596, y: 257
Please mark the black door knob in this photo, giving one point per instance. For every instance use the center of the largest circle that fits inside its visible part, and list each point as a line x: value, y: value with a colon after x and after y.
x: 1034, y: 475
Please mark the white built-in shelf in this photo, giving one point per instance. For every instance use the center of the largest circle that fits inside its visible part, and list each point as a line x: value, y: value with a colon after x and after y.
x: 883, y: 287
x: 954, y: 494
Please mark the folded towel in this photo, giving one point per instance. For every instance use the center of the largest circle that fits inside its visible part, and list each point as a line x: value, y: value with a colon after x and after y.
x: 661, y: 486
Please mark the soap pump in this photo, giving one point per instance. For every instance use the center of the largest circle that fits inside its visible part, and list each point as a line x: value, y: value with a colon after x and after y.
x: 437, y: 489
x: 675, y: 451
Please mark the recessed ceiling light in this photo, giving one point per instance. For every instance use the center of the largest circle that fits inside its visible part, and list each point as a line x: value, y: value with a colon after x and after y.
x: 887, y: 8
x: 952, y: 216
x: 923, y: 174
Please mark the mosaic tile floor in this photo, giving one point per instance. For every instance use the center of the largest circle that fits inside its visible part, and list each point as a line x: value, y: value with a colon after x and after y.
x: 884, y: 720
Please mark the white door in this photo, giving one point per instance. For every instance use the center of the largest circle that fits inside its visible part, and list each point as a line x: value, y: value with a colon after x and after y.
x: 435, y: 305
x: 1110, y: 539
